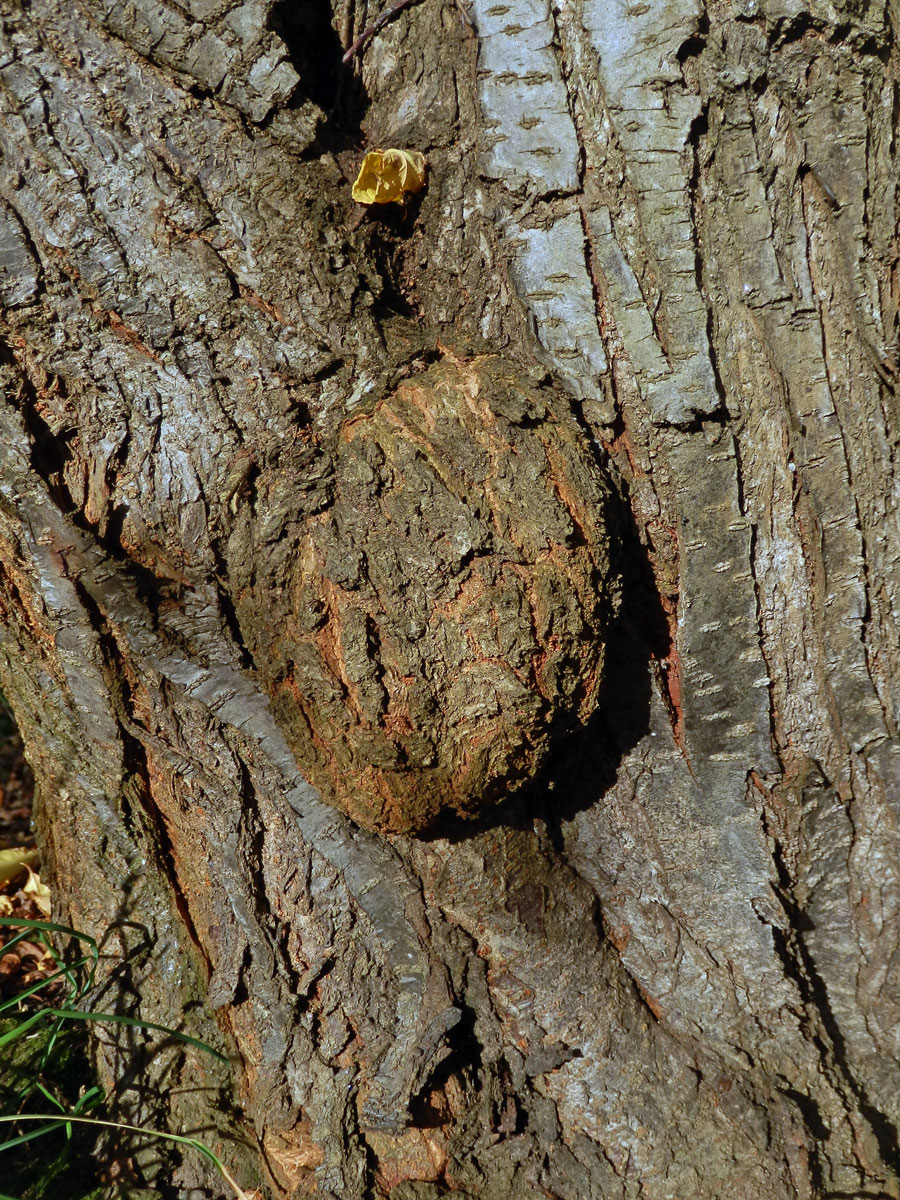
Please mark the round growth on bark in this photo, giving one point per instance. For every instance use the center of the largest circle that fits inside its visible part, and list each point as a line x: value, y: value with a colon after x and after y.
x: 449, y: 607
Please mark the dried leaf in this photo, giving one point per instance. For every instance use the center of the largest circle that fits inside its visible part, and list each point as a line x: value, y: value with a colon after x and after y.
x: 38, y: 892
x: 10, y: 964
x: 387, y: 175
x: 12, y: 862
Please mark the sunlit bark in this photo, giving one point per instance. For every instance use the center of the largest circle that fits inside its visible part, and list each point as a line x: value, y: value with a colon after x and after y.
x: 647, y: 943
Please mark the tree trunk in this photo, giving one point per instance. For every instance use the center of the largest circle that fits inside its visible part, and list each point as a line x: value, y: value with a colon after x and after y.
x: 457, y: 641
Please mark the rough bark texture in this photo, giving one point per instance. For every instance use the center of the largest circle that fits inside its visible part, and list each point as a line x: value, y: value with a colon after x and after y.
x: 666, y: 963
x: 428, y: 633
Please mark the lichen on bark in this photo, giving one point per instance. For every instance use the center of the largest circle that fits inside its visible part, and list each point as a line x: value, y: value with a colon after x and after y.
x: 445, y: 612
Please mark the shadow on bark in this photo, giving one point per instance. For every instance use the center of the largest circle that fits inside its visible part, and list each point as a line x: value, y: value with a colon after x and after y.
x: 143, y: 1068
x: 317, y: 55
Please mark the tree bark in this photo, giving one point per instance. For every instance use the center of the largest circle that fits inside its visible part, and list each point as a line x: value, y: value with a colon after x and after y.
x: 588, y: 885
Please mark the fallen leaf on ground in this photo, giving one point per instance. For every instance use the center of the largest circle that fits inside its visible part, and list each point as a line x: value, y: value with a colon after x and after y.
x: 38, y: 892
x: 14, y: 862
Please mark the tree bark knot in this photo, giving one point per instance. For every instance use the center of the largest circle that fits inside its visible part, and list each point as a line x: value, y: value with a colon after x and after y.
x: 448, y: 607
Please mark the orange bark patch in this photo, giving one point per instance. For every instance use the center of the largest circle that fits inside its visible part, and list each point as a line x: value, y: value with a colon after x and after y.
x: 415, y: 1154
x: 292, y: 1157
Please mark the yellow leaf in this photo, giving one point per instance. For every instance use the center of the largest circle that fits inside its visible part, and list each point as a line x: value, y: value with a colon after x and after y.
x: 13, y: 862
x: 38, y: 891
x: 387, y: 175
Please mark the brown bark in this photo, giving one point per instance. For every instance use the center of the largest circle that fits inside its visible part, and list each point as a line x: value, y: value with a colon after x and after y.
x: 650, y: 290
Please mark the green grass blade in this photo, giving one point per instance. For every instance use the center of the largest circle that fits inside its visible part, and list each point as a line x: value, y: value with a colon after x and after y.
x: 51, y: 927
x: 14, y: 941
x: 36, y: 987
x: 75, y: 1014
x: 22, y: 1027
x: 49, y: 1095
x: 94, y: 1095
x: 25, y: 923
x: 168, y: 1137
x: 69, y: 969
x: 35, y: 1133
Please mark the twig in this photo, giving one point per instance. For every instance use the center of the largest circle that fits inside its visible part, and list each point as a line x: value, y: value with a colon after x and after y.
x: 369, y: 33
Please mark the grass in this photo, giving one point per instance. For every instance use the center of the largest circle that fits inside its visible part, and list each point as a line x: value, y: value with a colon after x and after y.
x: 47, y: 1089
x: 54, y: 1126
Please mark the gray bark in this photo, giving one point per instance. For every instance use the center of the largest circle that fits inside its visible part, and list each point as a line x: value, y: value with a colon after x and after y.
x: 652, y: 949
